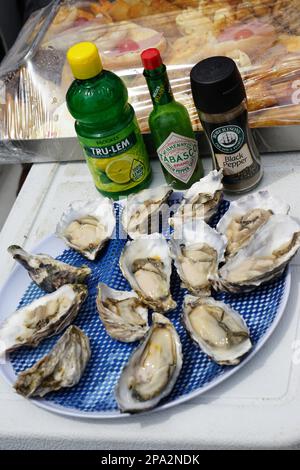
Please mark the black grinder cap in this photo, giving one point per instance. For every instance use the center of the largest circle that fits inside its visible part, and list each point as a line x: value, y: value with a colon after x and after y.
x: 217, y: 85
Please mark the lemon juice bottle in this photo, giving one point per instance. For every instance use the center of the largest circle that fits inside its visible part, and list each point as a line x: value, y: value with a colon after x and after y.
x: 106, y: 125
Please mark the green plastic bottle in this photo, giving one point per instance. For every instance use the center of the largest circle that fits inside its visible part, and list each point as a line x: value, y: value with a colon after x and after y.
x: 171, y: 127
x: 106, y: 125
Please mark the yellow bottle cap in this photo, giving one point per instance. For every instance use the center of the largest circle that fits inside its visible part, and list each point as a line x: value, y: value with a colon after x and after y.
x: 84, y: 60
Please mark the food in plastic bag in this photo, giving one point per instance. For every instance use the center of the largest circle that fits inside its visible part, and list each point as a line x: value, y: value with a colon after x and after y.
x: 262, y: 36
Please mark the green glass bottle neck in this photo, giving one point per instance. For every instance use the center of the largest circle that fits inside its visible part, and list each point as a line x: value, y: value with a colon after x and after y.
x: 159, y: 86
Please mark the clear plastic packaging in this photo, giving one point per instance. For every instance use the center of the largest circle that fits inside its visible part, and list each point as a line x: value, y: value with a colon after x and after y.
x: 262, y: 36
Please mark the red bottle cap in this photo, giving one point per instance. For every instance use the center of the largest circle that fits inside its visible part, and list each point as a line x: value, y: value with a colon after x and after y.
x: 151, y: 58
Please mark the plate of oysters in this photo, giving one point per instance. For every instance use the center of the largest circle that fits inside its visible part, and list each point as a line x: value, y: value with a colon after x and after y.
x: 146, y: 303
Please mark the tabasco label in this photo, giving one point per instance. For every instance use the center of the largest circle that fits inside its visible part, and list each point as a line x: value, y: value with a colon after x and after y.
x: 179, y: 155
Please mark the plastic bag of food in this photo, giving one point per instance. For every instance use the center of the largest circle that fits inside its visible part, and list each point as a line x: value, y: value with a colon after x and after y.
x: 262, y: 36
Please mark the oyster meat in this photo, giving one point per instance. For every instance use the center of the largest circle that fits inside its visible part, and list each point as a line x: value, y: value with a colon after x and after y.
x: 152, y: 369
x: 142, y: 210
x: 44, y: 317
x: 62, y: 367
x: 245, y: 216
x: 219, y: 330
x: 47, y: 272
x: 87, y: 226
x: 146, y: 264
x: 202, y: 199
x: 264, y: 258
x: 124, y: 316
x: 197, y: 250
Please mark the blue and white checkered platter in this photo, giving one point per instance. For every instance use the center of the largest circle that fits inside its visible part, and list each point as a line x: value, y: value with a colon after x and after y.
x: 94, y: 395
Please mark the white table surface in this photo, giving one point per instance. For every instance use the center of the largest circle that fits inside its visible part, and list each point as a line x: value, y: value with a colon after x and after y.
x: 259, y: 407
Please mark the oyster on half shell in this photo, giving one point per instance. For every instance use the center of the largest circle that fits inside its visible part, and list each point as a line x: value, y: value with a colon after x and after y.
x: 124, y: 316
x: 87, y: 226
x: 47, y: 272
x: 44, y: 317
x: 152, y: 369
x: 146, y: 264
x: 202, y: 199
x: 197, y: 250
x: 219, y: 330
x: 62, y: 367
x: 141, y: 212
x: 245, y: 216
x: 264, y: 258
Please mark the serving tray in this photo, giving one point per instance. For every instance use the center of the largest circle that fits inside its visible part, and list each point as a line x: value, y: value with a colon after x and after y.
x: 93, y: 397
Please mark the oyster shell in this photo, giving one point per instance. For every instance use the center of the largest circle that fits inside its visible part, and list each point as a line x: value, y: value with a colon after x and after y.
x: 47, y: 272
x: 246, y: 215
x: 202, y: 199
x: 141, y: 212
x: 219, y: 330
x: 44, y: 317
x: 152, y: 369
x: 264, y: 258
x: 62, y: 367
x: 87, y: 226
x: 122, y: 313
x: 146, y: 264
x: 197, y: 250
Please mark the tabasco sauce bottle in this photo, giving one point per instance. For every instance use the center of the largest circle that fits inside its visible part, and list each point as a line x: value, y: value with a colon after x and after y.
x: 170, y: 126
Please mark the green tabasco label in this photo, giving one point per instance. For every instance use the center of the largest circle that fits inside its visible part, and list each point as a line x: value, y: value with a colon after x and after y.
x: 179, y: 155
x: 117, y: 162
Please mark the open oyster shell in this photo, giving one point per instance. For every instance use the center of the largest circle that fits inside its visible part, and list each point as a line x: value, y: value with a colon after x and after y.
x: 124, y: 316
x: 146, y: 264
x: 44, y: 317
x: 152, y: 369
x: 87, y: 226
x: 141, y: 212
x: 245, y: 216
x: 62, y: 367
x: 47, y: 272
x: 219, y: 330
x: 202, y: 199
x: 197, y: 250
x: 264, y: 258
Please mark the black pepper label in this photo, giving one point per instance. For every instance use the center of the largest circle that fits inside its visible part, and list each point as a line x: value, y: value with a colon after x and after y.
x: 232, y: 148
x: 236, y: 162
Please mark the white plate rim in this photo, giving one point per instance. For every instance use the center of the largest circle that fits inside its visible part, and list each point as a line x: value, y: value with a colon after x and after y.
x: 7, y: 372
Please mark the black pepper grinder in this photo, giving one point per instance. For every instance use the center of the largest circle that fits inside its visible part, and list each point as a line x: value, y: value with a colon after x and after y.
x: 220, y: 98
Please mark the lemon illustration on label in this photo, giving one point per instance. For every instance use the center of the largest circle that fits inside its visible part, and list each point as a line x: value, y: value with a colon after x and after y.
x: 101, y: 163
x: 119, y: 170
